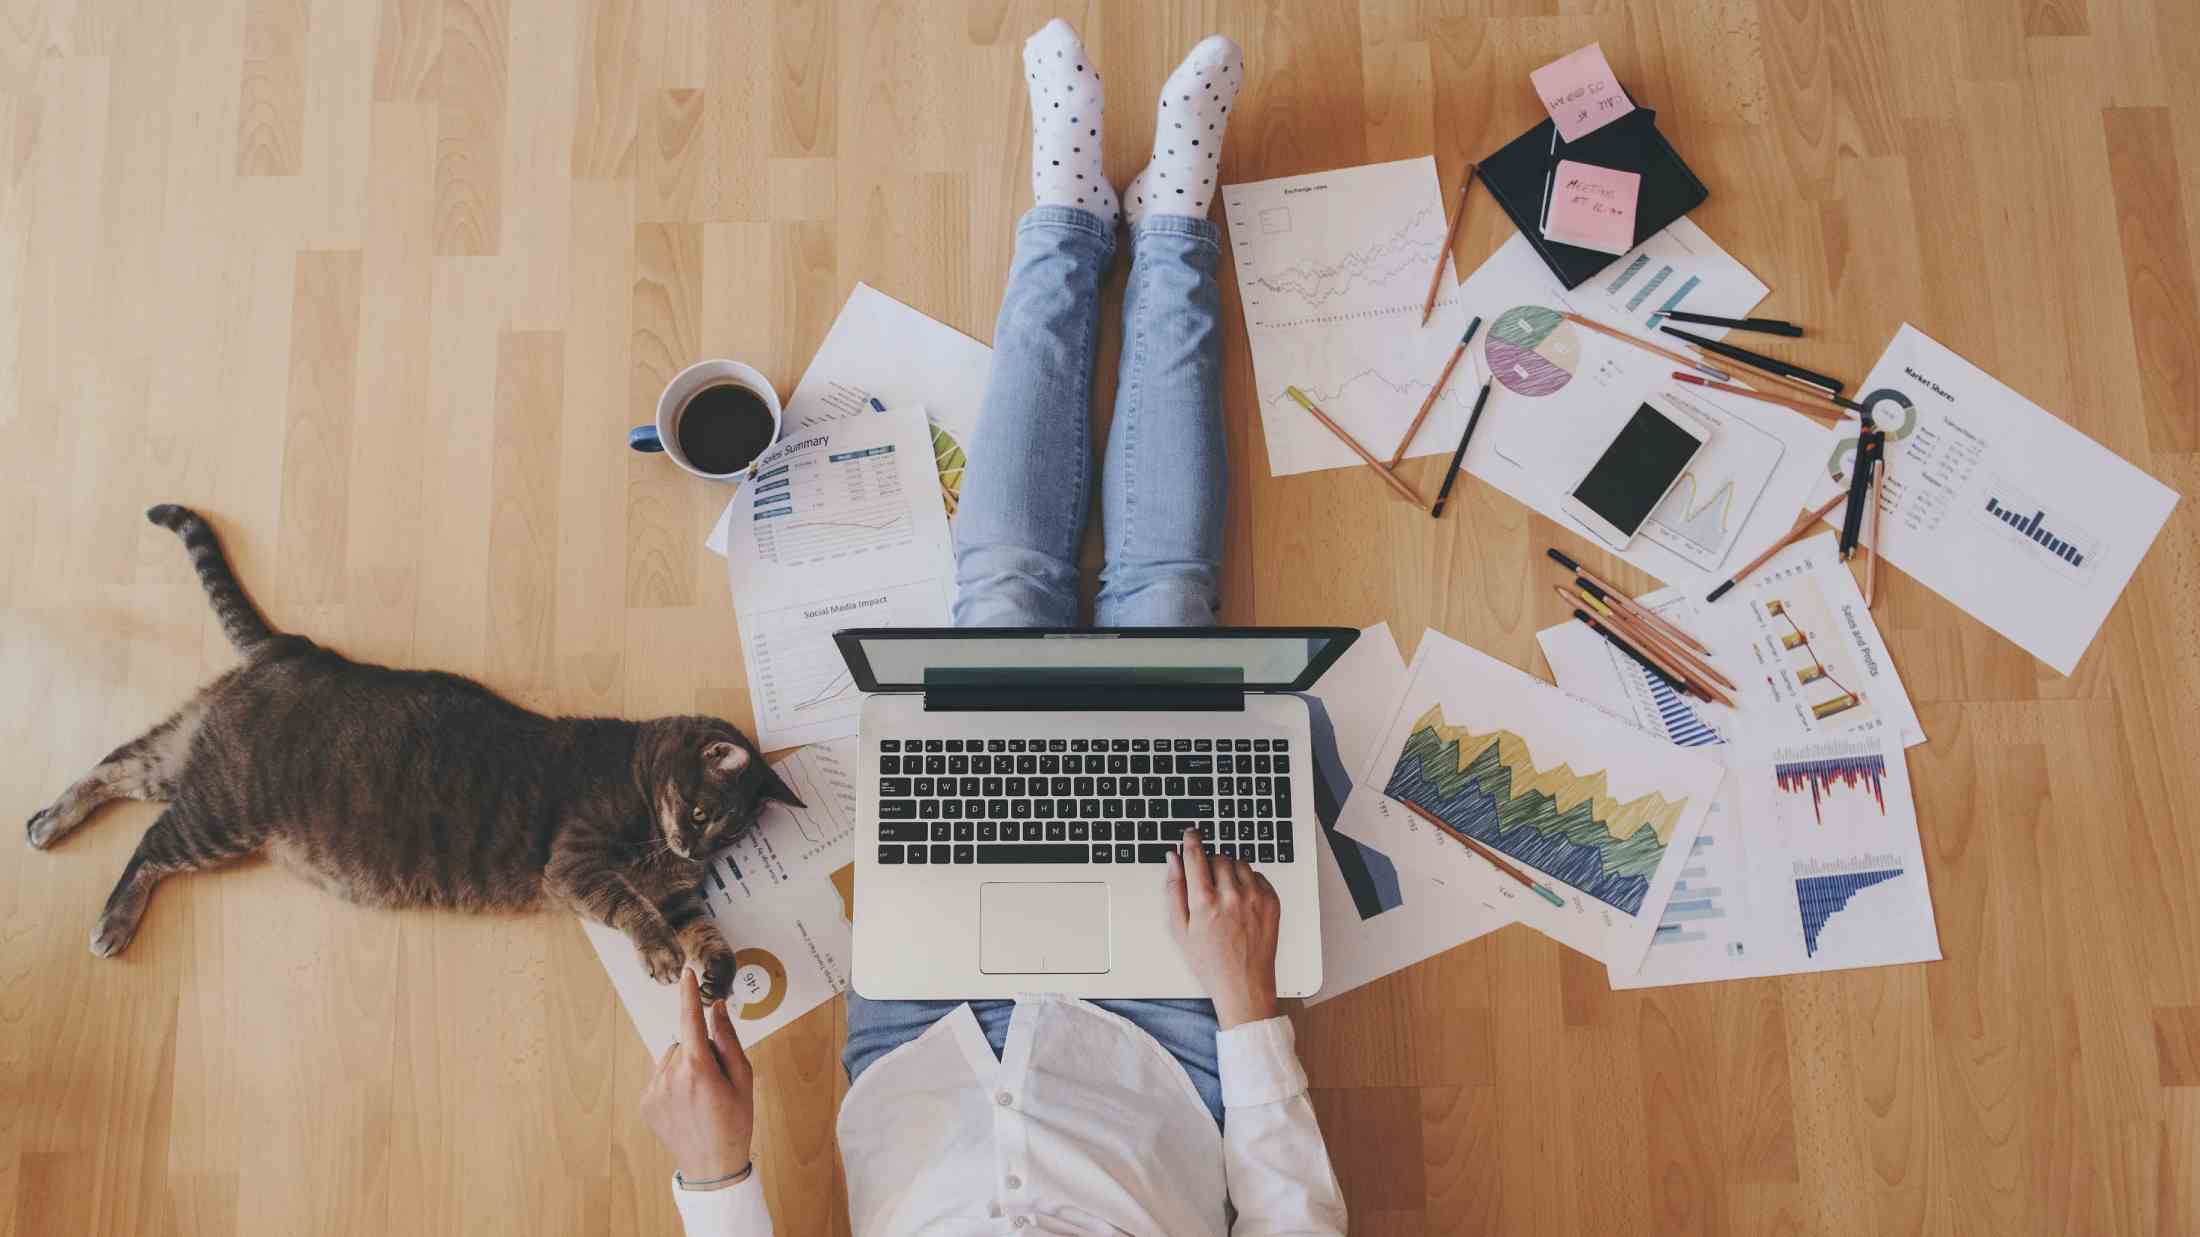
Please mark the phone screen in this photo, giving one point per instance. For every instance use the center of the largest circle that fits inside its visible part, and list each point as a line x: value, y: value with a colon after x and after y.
x: 1637, y: 469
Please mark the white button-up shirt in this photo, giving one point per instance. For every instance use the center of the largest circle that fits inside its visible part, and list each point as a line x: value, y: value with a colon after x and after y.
x: 1085, y: 1126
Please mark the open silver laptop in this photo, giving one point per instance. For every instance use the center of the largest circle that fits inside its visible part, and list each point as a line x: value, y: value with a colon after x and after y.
x: 1021, y: 790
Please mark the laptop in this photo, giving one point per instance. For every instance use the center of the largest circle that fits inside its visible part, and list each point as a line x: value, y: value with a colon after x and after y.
x: 1021, y: 788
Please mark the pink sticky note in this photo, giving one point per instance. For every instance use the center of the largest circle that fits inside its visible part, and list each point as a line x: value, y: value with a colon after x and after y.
x: 1579, y: 91
x: 1592, y: 207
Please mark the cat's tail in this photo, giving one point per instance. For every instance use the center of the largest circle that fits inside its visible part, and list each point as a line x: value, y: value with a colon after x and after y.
x: 241, y: 620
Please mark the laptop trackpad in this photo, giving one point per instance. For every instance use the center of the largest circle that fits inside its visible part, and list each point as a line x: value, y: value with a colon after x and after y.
x: 1056, y: 928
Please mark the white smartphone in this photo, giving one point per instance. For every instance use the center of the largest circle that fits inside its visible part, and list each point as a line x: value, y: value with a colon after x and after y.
x: 1635, y: 472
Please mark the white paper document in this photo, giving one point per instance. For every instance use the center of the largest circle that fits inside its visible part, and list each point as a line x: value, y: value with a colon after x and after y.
x: 1560, y: 393
x: 783, y: 895
x: 1795, y: 637
x: 1810, y: 861
x: 1994, y: 503
x: 1597, y: 813
x: 1332, y: 270
x: 1375, y: 920
x: 841, y: 526
x: 882, y: 349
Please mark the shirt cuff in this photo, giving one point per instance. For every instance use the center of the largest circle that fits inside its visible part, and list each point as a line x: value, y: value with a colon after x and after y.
x: 1259, y: 1063
x: 736, y: 1209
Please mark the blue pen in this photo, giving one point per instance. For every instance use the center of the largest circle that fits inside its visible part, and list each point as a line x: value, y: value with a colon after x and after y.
x: 876, y: 406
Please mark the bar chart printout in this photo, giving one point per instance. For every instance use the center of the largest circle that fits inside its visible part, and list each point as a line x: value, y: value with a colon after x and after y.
x: 842, y: 526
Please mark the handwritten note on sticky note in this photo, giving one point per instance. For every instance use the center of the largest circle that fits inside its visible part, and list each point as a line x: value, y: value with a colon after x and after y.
x: 1580, y: 92
x: 1592, y: 207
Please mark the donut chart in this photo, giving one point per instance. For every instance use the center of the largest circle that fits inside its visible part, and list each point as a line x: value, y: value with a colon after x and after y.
x: 762, y: 979
x: 1532, y: 350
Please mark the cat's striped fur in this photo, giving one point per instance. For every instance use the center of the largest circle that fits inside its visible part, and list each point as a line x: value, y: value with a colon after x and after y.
x: 417, y: 788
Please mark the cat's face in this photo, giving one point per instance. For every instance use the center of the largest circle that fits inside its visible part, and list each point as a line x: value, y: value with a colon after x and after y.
x: 713, y: 792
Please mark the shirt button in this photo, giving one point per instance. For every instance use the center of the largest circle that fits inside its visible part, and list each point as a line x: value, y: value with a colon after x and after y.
x: 1003, y: 1098
x: 1015, y: 1182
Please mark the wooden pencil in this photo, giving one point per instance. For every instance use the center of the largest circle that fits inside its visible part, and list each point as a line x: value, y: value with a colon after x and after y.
x: 1651, y: 641
x: 1797, y: 385
x: 1404, y: 491
x: 1646, y: 345
x: 1619, y: 630
x: 1435, y: 391
x: 1815, y: 412
x: 1451, y: 236
x: 1794, y: 534
x: 1688, y: 658
x: 1619, y: 598
x: 1488, y: 856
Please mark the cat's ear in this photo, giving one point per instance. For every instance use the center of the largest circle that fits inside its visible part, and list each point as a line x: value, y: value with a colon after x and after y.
x: 775, y: 787
x: 724, y: 757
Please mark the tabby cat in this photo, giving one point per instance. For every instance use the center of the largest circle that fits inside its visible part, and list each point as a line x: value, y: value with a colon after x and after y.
x: 416, y: 788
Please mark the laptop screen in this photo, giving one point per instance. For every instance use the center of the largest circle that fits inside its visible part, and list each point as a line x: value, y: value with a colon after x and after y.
x: 1252, y: 658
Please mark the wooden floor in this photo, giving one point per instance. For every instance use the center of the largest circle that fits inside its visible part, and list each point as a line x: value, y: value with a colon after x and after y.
x: 379, y: 284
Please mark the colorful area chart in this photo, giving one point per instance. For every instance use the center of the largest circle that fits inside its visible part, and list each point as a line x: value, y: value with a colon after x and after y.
x: 1532, y: 350
x: 1557, y: 821
x: 949, y: 457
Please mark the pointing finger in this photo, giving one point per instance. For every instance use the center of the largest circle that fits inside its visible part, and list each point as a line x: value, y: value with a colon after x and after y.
x: 731, y: 1056
x: 693, y: 1033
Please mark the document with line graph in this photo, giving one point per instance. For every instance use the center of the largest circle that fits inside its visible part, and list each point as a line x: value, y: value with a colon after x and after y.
x: 1332, y: 269
x: 840, y: 527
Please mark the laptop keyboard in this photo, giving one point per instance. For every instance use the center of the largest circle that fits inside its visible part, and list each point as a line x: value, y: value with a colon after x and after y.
x: 1112, y: 801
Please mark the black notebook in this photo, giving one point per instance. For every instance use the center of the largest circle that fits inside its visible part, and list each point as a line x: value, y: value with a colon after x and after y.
x: 1519, y: 177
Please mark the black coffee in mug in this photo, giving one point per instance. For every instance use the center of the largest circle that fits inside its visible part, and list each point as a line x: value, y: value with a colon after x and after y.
x: 724, y: 428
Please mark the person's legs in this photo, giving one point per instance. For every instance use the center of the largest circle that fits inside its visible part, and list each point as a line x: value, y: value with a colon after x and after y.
x: 1025, y: 492
x: 1026, y: 489
x: 1161, y: 492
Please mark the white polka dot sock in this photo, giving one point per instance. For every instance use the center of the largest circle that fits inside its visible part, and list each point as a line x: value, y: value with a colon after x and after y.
x: 1065, y: 123
x: 1187, y: 138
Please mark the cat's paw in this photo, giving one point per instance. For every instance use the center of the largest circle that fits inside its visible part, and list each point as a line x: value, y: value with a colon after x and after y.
x: 663, y: 960
x: 113, y: 934
x: 718, y: 968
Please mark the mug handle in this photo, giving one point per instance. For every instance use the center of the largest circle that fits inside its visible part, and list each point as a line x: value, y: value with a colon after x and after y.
x: 644, y: 438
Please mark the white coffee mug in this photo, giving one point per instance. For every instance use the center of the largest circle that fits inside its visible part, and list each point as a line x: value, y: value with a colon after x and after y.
x: 679, y: 393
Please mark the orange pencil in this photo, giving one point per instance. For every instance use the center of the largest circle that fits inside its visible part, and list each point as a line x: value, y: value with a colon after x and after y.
x: 1436, y: 277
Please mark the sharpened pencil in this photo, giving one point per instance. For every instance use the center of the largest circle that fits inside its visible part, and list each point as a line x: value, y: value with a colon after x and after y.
x: 1688, y: 658
x: 1824, y: 416
x: 1404, y: 491
x: 1435, y: 391
x: 1619, y: 598
x: 1794, y: 534
x: 1489, y: 856
x: 1451, y: 236
x: 1646, y: 345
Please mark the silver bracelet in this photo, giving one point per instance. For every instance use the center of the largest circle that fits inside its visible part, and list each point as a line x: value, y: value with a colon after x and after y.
x: 686, y: 1184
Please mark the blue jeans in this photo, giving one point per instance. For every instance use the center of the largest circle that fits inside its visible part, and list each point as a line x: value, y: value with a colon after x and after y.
x: 1028, y: 491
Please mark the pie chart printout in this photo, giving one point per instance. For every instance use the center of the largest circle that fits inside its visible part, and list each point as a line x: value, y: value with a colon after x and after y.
x: 1532, y: 350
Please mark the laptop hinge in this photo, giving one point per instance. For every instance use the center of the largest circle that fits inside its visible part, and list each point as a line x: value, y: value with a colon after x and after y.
x: 1085, y: 698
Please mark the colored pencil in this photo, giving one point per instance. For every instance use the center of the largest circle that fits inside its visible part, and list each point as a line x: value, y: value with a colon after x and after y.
x: 1641, y: 644
x: 1489, y: 856
x: 1459, y: 454
x: 1824, y: 416
x: 1795, y: 534
x: 1404, y: 491
x: 1619, y: 598
x: 1651, y: 642
x: 1767, y: 326
x: 1435, y: 391
x: 1695, y: 663
x: 1802, y: 389
x: 1451, y: 235
x: 1646, y: 346
x: 1736, y: 352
